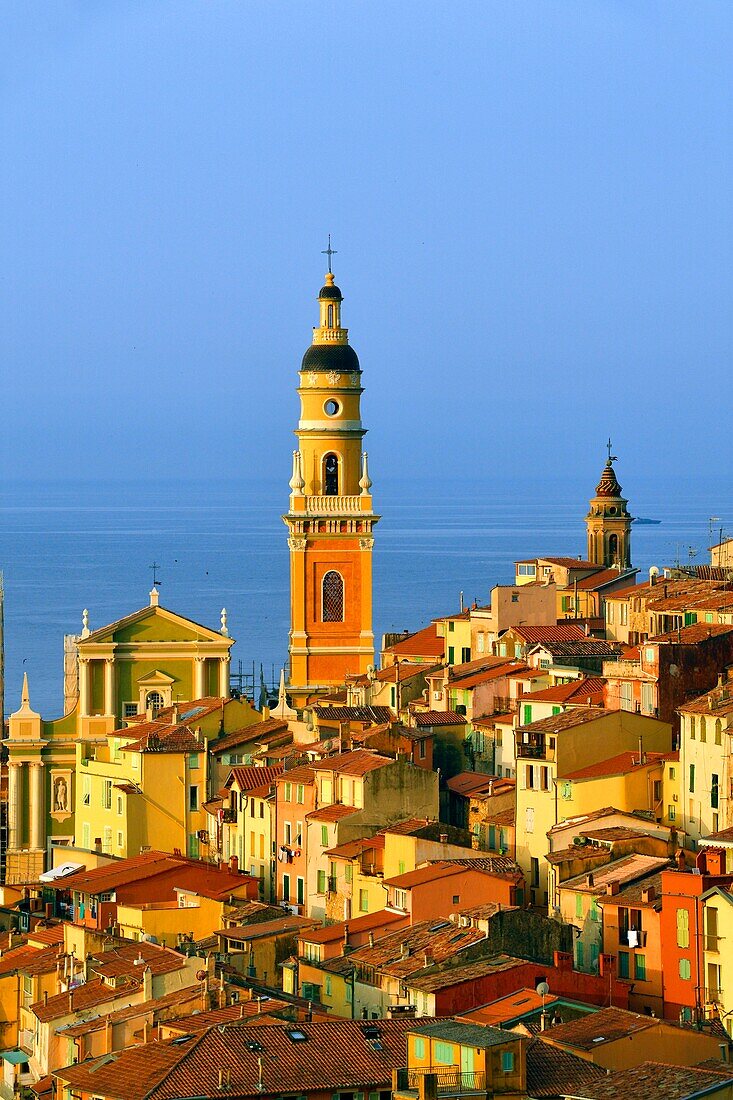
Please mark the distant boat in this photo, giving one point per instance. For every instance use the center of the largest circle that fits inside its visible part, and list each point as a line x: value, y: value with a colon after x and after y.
x: 644, y: 519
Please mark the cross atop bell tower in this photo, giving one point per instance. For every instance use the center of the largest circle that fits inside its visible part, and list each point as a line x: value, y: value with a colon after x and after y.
x: 330, y: 519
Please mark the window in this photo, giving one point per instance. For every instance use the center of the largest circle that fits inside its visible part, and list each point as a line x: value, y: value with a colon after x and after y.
x: 193, y: 760
x: 331, y: 475
x: 526, y: 570
x: 685, y: 969
x: 480, y: 642
x: 300, y: 887
x: 465, y: 654
x: 119, y: 805
x: 692, y: 778
x: 507, y: 1061
x: 324, y: 836
x: 623, y: 964
x: 333, y: 597
x: 286, y: 887
x: 595, y: 912
x: 193, y: 798
x: 107, y: 840
x: 527, y: 714
x: 692, y: 728
x: 154, y: 702
x: 703, y: 730
x: 714, y: 787
x: 683, y: 928
x: 288, y: 792
x: 625, y: 695
x: 671, y: 813
x: 708, y: 616
x: 86, y: 791
x: 363, y: 901
x: 347, y: 873
x: 623, y: 614
x: 193, y: 846
x: 328, y: 985
x: 421, y: 749
x: 718, y: 732
x: 300, y: 793
x: 107, y: 794
x: 86, y: 841
x: 443, y: 1054
x: 287, y: 833
x: 129, y: 710
x: 120, y: 839
x: 579, y: 954
x: 419, y: 1048
x: 579, y: 905
x: 321, y: 887
x: 640, y: 968
x: 451, y: 655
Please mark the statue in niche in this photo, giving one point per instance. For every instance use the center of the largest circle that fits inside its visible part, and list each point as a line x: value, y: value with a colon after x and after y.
x: 60, y: 795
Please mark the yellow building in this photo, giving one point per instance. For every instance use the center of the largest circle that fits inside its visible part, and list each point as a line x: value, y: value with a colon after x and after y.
x: 456, y: 630
x: 138, y: 665
x: 475, y: 1058
x: 330, y: 519
x: 718, y: 960
x: 549, y: 751
x: 145, y: 787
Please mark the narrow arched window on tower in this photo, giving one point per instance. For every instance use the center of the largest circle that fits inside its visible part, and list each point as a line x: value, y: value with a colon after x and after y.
x: 333, y: 597
x: 330, y: 316
x: 331, y: 475
x: 613, y: 547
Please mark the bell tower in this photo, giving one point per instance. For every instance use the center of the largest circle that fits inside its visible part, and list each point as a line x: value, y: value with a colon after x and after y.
x: 608, y: 521
x: 331, y: 519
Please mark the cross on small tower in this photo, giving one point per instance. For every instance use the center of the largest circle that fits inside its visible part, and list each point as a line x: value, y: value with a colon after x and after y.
x: 155, y: 567
x: 329, y: 252
x: 611, y: 458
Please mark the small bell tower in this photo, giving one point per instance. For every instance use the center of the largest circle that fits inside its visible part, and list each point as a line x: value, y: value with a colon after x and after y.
x: 331, y: 518
x: 609, y: 522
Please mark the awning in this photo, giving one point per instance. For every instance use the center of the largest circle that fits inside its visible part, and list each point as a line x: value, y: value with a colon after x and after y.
x: 60, y: 872
x: 14, y: 1056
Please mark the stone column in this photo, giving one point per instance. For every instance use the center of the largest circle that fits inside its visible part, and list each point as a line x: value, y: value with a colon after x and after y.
x: 198, y: 677
x: 109, y: 685
x: 224, y: 678
x: 38, y: 806
x: 14, y: 778
x: 84, y: 687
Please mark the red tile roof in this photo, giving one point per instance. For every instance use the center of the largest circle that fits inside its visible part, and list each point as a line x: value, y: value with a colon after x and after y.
x: 534, y: 635
x: 252, y: 778
x: 357, y: 762
x: 372, y: 715
x: 125, y: 961
x: 272, y: 730
x: 81, y: 998
x: 424, y: 643
x: 659, y: 1081
x: 331, y: 813
x: 429, y: 718
x: 589, y: 690
x: 367, y: 922
x: 621, y: 764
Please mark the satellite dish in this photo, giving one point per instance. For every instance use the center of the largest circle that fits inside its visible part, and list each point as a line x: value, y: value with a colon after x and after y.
x: 542, y: 989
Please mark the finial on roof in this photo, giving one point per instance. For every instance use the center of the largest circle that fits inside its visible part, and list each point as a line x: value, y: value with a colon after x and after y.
x: 224, y: 628
x: 365, y: 483
x: 25, y: 698
x: 154, y: 596
x: 329, y: 252
x: 85, y: 631
x: 283, y: 710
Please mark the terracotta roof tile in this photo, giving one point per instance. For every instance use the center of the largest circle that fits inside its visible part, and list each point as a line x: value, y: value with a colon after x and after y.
x: 423, y: 643
x: 553, y: 1072
x: 436, y: 717
x: 257, y: 732
x: 561, y: 632
x: 253, y: 778
x: 622, y: 764
x: 658, y: 1081
x: 79, y: 999
x: 372, y: 715
x: 357, y: 762
x: 331, y: 813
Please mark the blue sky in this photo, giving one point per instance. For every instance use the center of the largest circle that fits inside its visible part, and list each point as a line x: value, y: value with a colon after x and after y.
x: 530, y: 202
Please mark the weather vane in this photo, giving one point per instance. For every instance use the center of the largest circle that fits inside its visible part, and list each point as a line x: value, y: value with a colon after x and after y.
x: 155, y: 567
x: 611, y: 458
x: 329, y: 252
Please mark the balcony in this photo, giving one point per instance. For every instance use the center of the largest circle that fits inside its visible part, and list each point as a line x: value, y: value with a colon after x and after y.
x: 449, y: 1081
x: 229, y: 816
x: 712, y: 943
x: 332, y: 505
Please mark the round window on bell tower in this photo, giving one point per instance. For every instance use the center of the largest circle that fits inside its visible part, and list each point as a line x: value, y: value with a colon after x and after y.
x: 331, y: 407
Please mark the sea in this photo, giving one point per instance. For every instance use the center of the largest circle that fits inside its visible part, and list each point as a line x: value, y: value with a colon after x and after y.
x: 70, y: 545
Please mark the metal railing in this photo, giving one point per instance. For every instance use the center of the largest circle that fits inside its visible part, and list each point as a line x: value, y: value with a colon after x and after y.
x: 450, y: 1081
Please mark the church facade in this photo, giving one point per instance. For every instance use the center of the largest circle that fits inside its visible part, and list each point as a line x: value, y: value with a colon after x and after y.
x: 140, y: 664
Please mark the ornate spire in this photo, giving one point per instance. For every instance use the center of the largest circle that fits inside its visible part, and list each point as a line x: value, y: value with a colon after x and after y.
x: 608, y: 486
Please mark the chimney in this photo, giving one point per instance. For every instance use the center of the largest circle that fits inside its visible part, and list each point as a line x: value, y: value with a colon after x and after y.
x: 147, y: 984
x: 45, y: 997
x: 589, y: 880
x: 613, y: 887
x: 680, y: 859
x: 234, y: 865
x: 49, y: 910
x: 404, y: 950
x: 71, y: 1000
x: 346, y: 933
x: 443, y: 838
x: 174, y: 714
x: 648, y: 894
x: 98, y: 844
x: 371, y: 939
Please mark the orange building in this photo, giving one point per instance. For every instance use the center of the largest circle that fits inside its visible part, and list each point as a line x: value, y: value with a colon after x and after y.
x: 331, y: 518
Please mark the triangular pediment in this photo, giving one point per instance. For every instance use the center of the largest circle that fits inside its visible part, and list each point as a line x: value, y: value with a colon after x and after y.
x: 153, y: 624
x: 155, y: 679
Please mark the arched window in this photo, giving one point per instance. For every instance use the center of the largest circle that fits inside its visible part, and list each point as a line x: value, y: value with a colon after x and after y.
x: 154, y: 702
x: 718, y: 732
x: 330, y: 316
x: 333, y: 597
x: 613, y: 547
x: 331, y: 475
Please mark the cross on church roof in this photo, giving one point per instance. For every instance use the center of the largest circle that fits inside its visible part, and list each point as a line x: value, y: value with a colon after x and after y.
x: 329, y: 252
x: 155, y: 567
x: 611, y: 458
